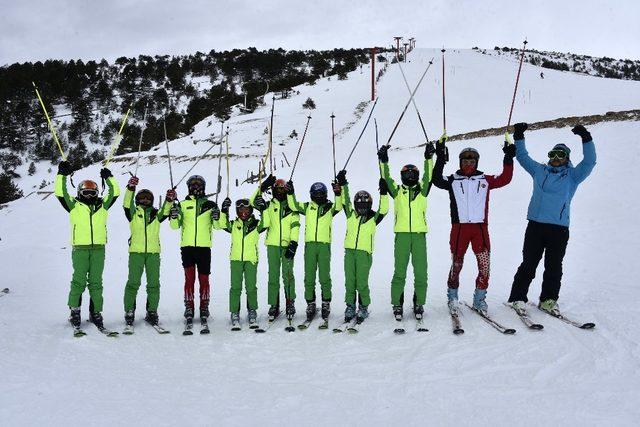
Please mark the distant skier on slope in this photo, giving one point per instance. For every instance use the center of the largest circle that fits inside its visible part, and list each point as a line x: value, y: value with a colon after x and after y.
x: 554, y: 185
x: 144, y: 248
x: 469, y: 191
x: 88, y: 216
x: 410, y: 207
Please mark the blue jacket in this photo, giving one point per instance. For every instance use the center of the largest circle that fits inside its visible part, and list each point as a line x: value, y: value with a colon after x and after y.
x: 553, y: 188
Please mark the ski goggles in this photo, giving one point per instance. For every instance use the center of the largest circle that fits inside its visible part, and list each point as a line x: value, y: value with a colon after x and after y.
x: 557, y: 154
x: 468, y: 161
x: 144, y: 199
x: 243, y: 203
x: 89, y: 193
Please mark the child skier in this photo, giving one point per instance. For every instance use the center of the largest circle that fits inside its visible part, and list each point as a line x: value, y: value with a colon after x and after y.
x: 88, y: 217
x: 281, y: 242
x: 197, y: 217
x: 554, y: 185
x: 358, y: 246
x: 144, y: 249
x: 319, y: 213
x: 245, y: 234
x: 469, y: 200
x: 410, y: 208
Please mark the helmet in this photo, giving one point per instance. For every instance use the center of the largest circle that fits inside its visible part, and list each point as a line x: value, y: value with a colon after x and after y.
x: 409, y: 174
x: 469, y: 153
x: 244, y: 210
x: 318, y: 192
x: 87, y: 191
x: 144, y: 198
x: 362, y: 202
x: 196, y: 185
x: 280, y: 189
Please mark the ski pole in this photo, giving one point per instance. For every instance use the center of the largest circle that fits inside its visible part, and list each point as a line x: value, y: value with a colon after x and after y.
x: 219, y: 185
x: 144, y: 126
x: 333, y: 144
x: 444, y: 106
x: 166, y: 143
x: 52, y: 128
x: 227, y: 156
x: 273, y: 104
x: 300, y: 148
x: 375, y: 123
x: 515, y: 89
x: 361, y: 133
x: 409, y: 102
x: 116, y: 142
x: 197, y: 161
x: 404, y: 77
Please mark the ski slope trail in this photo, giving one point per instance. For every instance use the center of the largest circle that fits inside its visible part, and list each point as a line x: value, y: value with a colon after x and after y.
x: 561, y: 375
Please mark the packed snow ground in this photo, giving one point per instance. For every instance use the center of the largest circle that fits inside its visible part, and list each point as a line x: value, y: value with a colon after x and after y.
x: 562, y: 375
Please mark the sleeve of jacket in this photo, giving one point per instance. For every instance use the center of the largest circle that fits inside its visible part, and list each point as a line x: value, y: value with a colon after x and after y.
x: 301, y: 208
x: 129, y: 205
x: 497, y: 181
x: 253, y: 197
x: 337, y: 204
x: 346, y: 200
x: 383, y: 209
x: 224, y: 222
x: 112, y: 194
x: 264, y: 222
x: 163, y: 213
x: 177, y: 222
x: 438, y: 178
x: 295, y: 227
x: 62, y: 194
x: 584, y: 168
x: 426, y: 177
x: 384, y: 173
x: 527, y: 163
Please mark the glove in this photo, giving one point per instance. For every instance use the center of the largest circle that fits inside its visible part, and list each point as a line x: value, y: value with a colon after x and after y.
x: 429, y: 150
x: 226, y: 203
x: 291, y: 250
x: 341, y: 178
x: 441, y: 151
x: 289, y: 188
x: 133, y: 182
x: 383, y: 187
x: 174, y: 212
x: 383, y: 154
x: 171, y: 195
x: 267, y: 183
x: 337, y: 190
x: 583, y: 132
x: 64, y: 168
x: 259, y: 203
x: 105, y: 173
x: 509, y: 151
x: 518, y: 130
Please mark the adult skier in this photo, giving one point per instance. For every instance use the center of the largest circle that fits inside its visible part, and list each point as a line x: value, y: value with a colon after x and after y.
x: 554, y: 185
x: 358, y: 246
x: 88, y: 215
x: 245, y: 234
x: 144, y: 248
x: 469, y: 190
x: 410, y: 208
x: 197, y: 217
x: 281, y: 242
x: 319, y: 213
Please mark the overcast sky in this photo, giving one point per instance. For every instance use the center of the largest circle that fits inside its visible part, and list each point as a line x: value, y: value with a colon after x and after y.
x: 93, y: 29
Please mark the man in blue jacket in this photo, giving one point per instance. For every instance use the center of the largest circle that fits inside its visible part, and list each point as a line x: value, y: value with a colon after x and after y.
x: 554, y: 185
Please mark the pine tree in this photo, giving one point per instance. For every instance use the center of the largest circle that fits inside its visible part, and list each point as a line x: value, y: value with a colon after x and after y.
x: 32, y: 169
x: 8, y: 190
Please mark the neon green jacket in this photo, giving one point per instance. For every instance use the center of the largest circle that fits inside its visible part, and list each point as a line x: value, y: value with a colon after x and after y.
x: 144, y: 224
x: 361, y: 229
x: 196, y: 223
x: 284, y: 223
x: 409, y: 203
x: 245, y: 236
x: 318, y: 219
x: 88, y: 222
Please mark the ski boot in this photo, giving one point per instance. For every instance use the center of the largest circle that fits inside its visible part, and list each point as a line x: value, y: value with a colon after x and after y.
x: 520, y: 307
x: 188, y: 313
x: 74, y: 317
x: 326, y: 309
x: 479, y: 302
x: 290, y: 309
x: 550, y: 306
x: 274, y: 312
x: 129, y: 317
x: 349, y: 313
x: 96, y: 319
x: 235, y: 321
x: 151, y: 317
x: 363, y: 312
x: 452, y: 300
x: 204, y: 312
x: 311, y: 311
x: 418, y: 311
x: 397, y: 312
x: 252, y: 318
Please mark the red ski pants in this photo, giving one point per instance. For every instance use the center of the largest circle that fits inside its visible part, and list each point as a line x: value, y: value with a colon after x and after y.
x: 478, y: 236
x: 192, y: 257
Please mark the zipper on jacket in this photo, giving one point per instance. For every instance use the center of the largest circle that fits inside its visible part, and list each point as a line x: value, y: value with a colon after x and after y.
x: 317, y: 219
x: 358, y: 232
x: 195, y: 233
x: 410, y: 226
x: 91, y: 224
x: 144, y: 217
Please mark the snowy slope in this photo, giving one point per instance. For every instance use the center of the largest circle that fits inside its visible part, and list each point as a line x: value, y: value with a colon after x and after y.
x: 560, y: 376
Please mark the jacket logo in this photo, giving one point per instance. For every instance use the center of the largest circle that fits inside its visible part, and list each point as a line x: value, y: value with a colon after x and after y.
x: 483, y: 185
x: 189, y: 207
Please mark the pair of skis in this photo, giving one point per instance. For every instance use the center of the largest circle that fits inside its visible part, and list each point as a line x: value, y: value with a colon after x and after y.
x: 188, y: 327
x: 456, y: 324
x: 351, y: 326
x: 129, y: 329
x: 420, y: 326
x: 79, y: 332
x: 536, y: 326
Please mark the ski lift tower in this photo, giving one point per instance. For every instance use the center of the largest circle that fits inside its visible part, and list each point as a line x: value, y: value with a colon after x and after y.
x: 405, y: 51
x: 397, y: 39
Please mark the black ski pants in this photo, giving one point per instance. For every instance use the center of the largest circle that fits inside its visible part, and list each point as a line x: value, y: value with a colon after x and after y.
x: 550, y: 239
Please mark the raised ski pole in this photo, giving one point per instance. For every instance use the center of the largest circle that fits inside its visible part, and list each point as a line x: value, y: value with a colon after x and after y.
x: 444, y: 105
x: 273, y: 104
x: 409, y: 102
x: 333, y: 144
x: 227, y: 156
x: 300, y: 148
x: 144, y: 126
x: 515, y: 89
x: 116, y: 141
x: 166, y: 143
x: 404, y: 77
x: 361, y: 133
x: 219, y: 185
x: 375, y: 124
x: 52, y: 128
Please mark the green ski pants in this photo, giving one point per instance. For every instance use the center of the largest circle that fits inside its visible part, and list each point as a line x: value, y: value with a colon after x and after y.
x: 248, y: 270
x: 139, y: 263
x: 317, y: 257
x: 357, y: 265
x: 277, y: 261
x: 414, y: 246
x: 88, y: 264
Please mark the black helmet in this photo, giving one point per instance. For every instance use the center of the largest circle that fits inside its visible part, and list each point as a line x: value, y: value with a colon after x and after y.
x: 144, y: 198
x: 409, y: 174
x: 196, y: 185
x: 318, y: 193
x: 243, y: 209
x: 469, y: 153
x: 362, y: 202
